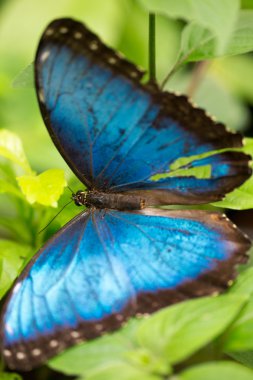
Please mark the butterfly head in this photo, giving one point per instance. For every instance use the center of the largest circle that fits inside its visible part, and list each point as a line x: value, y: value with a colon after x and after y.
x: 79, y: 198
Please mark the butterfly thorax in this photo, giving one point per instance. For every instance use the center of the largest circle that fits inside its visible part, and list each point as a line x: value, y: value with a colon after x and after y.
x: 103, y: 200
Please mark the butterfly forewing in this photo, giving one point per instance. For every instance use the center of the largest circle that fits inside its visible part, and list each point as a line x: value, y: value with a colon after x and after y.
x: 116, y: 133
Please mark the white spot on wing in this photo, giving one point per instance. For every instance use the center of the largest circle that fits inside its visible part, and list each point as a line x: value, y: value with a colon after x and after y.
x: 133, y: 74
x: 78, y: 35
x: 63, y: 30
x: 41, y: 96
x: 44, y: 55
x: 49, y: 32
x: 7, y: 353
x: 112, y: 60
x: 36, y: 352
x: 16, y: 287
x: 20, y: 355
x: 93, y: 45
x: 53, y: 343
x: 75, y: 334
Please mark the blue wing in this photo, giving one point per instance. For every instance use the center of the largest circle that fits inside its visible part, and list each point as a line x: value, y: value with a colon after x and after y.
x: 104, y: 267
x: 116, y: 133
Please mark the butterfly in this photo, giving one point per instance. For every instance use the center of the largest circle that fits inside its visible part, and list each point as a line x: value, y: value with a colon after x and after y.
x: 122, y: 256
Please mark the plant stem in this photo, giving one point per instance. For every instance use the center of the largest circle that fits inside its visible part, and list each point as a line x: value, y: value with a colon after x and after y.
x: 152, y: 48
x: 197, y: 77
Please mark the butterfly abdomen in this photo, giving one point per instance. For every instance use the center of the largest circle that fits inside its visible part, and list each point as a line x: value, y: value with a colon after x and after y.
x: 103, y: 200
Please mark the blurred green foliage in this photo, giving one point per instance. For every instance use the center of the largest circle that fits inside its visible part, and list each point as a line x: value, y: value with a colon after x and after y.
x: 201, y: 50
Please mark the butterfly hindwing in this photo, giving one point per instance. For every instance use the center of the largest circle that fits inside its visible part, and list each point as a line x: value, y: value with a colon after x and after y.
x: 116, y: 133
x: 104, y: 267
x: 73, y: 290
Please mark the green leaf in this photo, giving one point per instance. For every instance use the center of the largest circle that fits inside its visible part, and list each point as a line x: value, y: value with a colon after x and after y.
x: 11, y: 148
x: 96, y: 354
x: 219, y: 17
x: 244, y: 283
x: 146, y: 360
x: 198, y: 43
x: 122, y: 370
x: 109, y: 354
x: 45, y: 188
x: 239, y: 199
x: 240, y: 335
x: 7, y: 187
x: 195, y: 323
x: 223, y: 370
x: 9, y: 376
x: 242, y: 38
x: 12, y: 256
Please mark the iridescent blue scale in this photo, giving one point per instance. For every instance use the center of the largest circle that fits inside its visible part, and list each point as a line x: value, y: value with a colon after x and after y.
x: 110, y: 263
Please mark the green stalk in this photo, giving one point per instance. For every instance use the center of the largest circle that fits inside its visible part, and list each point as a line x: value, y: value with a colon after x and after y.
x: 152, y: 48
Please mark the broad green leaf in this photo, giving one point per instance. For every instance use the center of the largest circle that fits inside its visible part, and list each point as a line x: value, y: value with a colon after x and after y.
x: 219, y: 17
x: 240, y: 198
x: 12, y: 149
x: 45, y: 188
x: 240, y: 335
x: 96, y: 354
x: 241, y: 40
x: 119, y: 370
x: 223, y: 370
x: 146, y: 360
x: 107, y: 356
x: 244, y: 283
x: 9, y: 376
x: 7, y: 187
x: 12, y: 256
x: 195, y: 323
x: 198, y: 43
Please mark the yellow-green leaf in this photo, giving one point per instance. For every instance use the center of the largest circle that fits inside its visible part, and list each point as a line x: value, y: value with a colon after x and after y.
x: 45, y: 188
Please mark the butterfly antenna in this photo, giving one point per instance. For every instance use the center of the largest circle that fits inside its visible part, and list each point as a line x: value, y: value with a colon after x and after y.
x: 72, y: 192
x: 43, y: 229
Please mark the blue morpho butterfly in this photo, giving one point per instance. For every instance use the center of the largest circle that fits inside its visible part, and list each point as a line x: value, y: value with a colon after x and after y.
x: 120, y: 257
